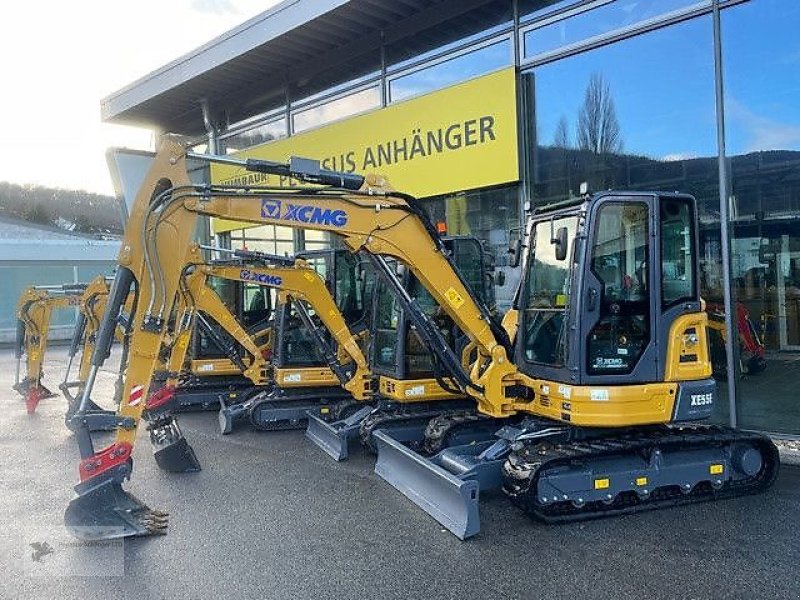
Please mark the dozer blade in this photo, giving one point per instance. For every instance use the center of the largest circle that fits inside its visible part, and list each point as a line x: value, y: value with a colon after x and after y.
x: 170, y: 449
x: 334, y: 438
x: 229, y: 414
x: 107, y: 512
x: 452, y: 501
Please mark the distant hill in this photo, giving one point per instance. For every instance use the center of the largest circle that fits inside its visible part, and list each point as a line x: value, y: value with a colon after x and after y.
x: 72, y: 210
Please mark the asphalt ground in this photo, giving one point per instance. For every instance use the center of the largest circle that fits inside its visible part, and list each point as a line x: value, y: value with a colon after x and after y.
x: 270, y: 516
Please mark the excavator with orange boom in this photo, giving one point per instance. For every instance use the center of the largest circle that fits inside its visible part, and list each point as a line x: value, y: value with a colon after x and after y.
x: 596, y: 402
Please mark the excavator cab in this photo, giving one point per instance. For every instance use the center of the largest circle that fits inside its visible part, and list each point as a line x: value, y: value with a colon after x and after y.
x: 610, y: 296
x: 253, y: 306
x: 399, y: 355
x: 299, y: 359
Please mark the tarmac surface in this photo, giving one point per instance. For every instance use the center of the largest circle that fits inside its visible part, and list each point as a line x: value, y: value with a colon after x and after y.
x: 270, y: 516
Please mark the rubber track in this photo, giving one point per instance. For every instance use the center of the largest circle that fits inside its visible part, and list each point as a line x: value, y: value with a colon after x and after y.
x: 523, y: 495
x: 439, y: 429
x: 381, y: 418
x: 282, y: 425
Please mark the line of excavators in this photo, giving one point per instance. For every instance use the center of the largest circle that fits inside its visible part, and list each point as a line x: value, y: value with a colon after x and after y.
x: 587, y: 399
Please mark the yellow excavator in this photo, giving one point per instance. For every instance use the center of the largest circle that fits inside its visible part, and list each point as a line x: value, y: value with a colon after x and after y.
x: 596, y: 400
x: 410, y: 384
x: 91, y: 308
x: 316, y: 360
x: 34, y: 311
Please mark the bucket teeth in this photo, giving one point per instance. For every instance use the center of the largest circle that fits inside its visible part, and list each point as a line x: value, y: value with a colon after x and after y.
x: 106, y: 511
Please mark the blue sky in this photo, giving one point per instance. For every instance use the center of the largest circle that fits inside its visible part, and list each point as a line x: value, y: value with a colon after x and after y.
x: 663, y: 84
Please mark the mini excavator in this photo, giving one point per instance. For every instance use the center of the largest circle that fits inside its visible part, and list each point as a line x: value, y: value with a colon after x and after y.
x: 596, y: 401
x: 34, y: 312
x: 316, y: 357
x: 410, y: 384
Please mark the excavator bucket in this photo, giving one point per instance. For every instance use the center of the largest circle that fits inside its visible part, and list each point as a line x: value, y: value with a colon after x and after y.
x: 170, y: 448
x: 106, y: 512
x: 35, y: 394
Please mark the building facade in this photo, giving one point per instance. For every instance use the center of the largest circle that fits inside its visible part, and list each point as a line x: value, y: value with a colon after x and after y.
x: 481, y: 106
x: 38, y: 255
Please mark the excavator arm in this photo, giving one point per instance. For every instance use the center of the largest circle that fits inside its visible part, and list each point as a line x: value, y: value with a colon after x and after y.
x: 364, y: 212
x: 34, y: 311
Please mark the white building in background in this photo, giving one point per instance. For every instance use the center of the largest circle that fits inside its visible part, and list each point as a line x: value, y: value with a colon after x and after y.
x: 35, y: 254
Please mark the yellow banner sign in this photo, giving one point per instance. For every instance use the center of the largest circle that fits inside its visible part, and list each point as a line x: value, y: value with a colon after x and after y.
x: 460, y: 138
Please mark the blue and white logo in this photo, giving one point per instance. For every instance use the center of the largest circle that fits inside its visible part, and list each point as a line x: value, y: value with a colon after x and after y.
x: 270, y: 209
x: 262, y: 278
x: 303, y: 213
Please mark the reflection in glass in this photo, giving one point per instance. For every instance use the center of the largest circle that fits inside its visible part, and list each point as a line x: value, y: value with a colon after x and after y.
x: 536, y: 9
x: 761, y: 58
x: 620, y: 260
x: 266, y: 132
x: 334, y: 110
x: 546, y: 294
x: 493, y: 217
x: 602, y: 20
x: 466, y: 66
x: 471, y: 25
x: 614, y: 117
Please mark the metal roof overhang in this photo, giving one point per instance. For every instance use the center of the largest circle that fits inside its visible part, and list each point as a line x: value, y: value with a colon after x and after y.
x: 245, y: 71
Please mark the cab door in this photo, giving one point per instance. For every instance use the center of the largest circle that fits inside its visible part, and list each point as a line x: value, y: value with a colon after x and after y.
x: 545, y: 337
x: 639, y: 275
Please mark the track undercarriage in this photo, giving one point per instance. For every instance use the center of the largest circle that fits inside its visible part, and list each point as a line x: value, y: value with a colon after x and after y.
x: 561, y: 474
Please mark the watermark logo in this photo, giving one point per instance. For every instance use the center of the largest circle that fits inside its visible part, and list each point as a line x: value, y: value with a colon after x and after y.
x: 40, y: 550
x: 49, y: 550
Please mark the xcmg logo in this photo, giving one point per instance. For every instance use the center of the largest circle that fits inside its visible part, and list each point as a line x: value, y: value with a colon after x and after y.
x: 248, y: 275
x: 302, y: 213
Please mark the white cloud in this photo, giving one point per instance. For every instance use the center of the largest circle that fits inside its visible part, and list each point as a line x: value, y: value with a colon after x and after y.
x: 763, y: 133
x: 679, y: 156
x: 81, y: 52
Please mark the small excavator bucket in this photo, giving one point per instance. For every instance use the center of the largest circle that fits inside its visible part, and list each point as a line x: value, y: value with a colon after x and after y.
x: 35, y: 394
x: 170, y: 449
x: 107, y: 512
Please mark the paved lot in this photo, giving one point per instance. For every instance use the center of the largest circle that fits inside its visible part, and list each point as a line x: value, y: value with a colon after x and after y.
x: 272, y: 517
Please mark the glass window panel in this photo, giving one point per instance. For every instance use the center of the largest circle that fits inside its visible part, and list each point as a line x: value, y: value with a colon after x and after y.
x: 545, y: 299
x: 619, y: 261
x: 491, y: 216
x: 761, y: 58
x: 677, y: 250
x: 533, y: 9
x: 317, y: 245
x: 602, y: 20
x: 483, y: 60
x: 314, y: 235
x: 461, y: 29
x: 614, y: 117
x: 315, y: 81
x: 336, y: 109
x: 273, y: 130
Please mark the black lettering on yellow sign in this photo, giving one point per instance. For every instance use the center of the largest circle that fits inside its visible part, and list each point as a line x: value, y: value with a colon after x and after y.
x: 420, y: 144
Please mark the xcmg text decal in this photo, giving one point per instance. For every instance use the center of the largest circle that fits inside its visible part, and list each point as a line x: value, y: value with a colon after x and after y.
x: 302, y: 213
x: 248, y: 275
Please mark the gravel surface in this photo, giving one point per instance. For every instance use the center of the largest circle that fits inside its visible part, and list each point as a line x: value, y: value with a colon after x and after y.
x: 272, y: 517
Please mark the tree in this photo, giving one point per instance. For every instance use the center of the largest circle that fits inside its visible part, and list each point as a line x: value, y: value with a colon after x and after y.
x: 598, y: 127
x: 561, y: 136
